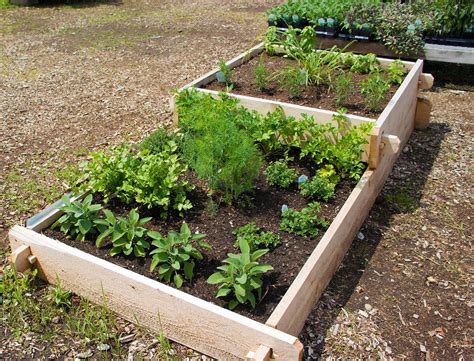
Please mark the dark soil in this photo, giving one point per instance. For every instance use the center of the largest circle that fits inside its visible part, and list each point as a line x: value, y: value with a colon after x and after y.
x: 316, y: 97
x: 265, y: 211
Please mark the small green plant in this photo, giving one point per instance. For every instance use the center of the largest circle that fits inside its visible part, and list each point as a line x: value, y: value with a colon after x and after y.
x: 60, y: 297
x: 127, y: 234
x: 256, y: 237
x: 174, y: 255
x: 279, y: 174
x: 226, y: 72
x: 158, y: 141
x: 261, y: 76
x: 396, y: 71
x: 241, y: 276
x: 151, y: 179
x: 305, y: 222
x: 319, y: 188
x: 374, y: 90
x: 215, y: 148
x: 79, y: 217
x: 343, y: 87
x: 365, y: 64
x: 292, y: 79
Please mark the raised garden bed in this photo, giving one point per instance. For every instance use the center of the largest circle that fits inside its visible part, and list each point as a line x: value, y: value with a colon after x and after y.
x: 303, y: 265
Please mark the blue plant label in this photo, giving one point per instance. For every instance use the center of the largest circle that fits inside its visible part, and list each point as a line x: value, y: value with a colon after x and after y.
x: 302, y: 179
x: 220, y: 77
x: 284, y: 208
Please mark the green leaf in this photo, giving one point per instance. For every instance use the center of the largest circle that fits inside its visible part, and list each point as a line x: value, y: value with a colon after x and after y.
x: 239, y: 290
x: 133, y: 216
x: 215, y: 278
x: 85, y: 226
x: 261, y: 269
x: 176, y: 265
x: 178, y: 280
x: 242, y: 279
x: 154, y: 263
x: 164, y: 268
x: 189, y: 270
x: 115, y: 251
x: 244, y: 246
x: 233, y: 304
x: 155, y: 235
x: 222, y: 292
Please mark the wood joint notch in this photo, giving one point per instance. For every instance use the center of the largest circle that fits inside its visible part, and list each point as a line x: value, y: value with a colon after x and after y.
x: 22, y: 259
x: 263, y: 353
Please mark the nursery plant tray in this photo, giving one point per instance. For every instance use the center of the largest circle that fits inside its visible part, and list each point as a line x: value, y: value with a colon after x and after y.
x: 433, y: 52
x: 204, y: 326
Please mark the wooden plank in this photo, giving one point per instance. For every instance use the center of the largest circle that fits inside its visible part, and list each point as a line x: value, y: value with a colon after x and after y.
x: 398, y: 117
x: 449, y: 54
x: 186, y: 319
x: 263, y: 353
x: 264, y: 106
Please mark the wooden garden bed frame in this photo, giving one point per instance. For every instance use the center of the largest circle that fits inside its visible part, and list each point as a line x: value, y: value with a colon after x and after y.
x: 204, y: 326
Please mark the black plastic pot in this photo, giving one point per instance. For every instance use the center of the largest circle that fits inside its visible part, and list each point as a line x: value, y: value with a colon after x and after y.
x: 344, y: 34
x: 331, y: 28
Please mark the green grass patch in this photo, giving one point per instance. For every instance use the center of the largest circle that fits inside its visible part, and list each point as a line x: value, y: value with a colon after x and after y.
x: 5, y: 4
x: 402, y: 199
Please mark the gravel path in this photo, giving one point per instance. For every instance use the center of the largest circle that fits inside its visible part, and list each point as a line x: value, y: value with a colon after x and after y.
x: 78, y: 78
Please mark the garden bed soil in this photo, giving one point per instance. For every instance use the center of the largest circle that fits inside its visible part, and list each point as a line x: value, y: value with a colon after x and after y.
x: 265, y: 211
x: 315, y: 97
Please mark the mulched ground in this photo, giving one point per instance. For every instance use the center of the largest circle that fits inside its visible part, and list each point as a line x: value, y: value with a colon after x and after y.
x: 69, y: 87
x: 311, y: 96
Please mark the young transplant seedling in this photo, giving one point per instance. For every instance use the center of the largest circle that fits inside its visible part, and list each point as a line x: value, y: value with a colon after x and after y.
x: 256, y: 237
x: 174, y: 255
x: 127, y: 234
x: 279, y: 174
x: 305, y: 222
x: 79, y: 217
x: 241, y: 276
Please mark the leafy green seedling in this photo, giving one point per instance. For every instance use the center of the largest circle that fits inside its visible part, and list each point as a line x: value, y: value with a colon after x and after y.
x: 79, y: 217
x: 279, y: 174
x: 127, y: 234
x: 175, y: 254
x: 241, y: 276
x: 256, y: 237
x: 305, y: 222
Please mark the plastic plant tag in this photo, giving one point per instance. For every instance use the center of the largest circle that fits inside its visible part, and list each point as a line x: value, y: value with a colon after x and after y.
x: 411, y: 29
x: 330, y: 21
x: 302, y: 179
x: 220, y: 77
x: 284, y: 208
x: 321, y: 22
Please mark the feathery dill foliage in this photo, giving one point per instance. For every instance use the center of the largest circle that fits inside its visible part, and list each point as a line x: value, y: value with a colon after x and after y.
x: 215, y: 148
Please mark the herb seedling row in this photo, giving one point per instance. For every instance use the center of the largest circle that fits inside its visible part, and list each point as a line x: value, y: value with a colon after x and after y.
x: 207, y: 327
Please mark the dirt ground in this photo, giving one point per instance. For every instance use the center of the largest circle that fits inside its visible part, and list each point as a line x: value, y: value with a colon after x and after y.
x: 88, y: 75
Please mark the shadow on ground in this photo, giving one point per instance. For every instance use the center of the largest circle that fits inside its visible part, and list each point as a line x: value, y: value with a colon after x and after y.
x: 77, y: 3
x: 401, y: 194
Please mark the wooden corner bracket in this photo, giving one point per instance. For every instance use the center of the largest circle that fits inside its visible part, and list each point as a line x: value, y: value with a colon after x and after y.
x: 22, y: 259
